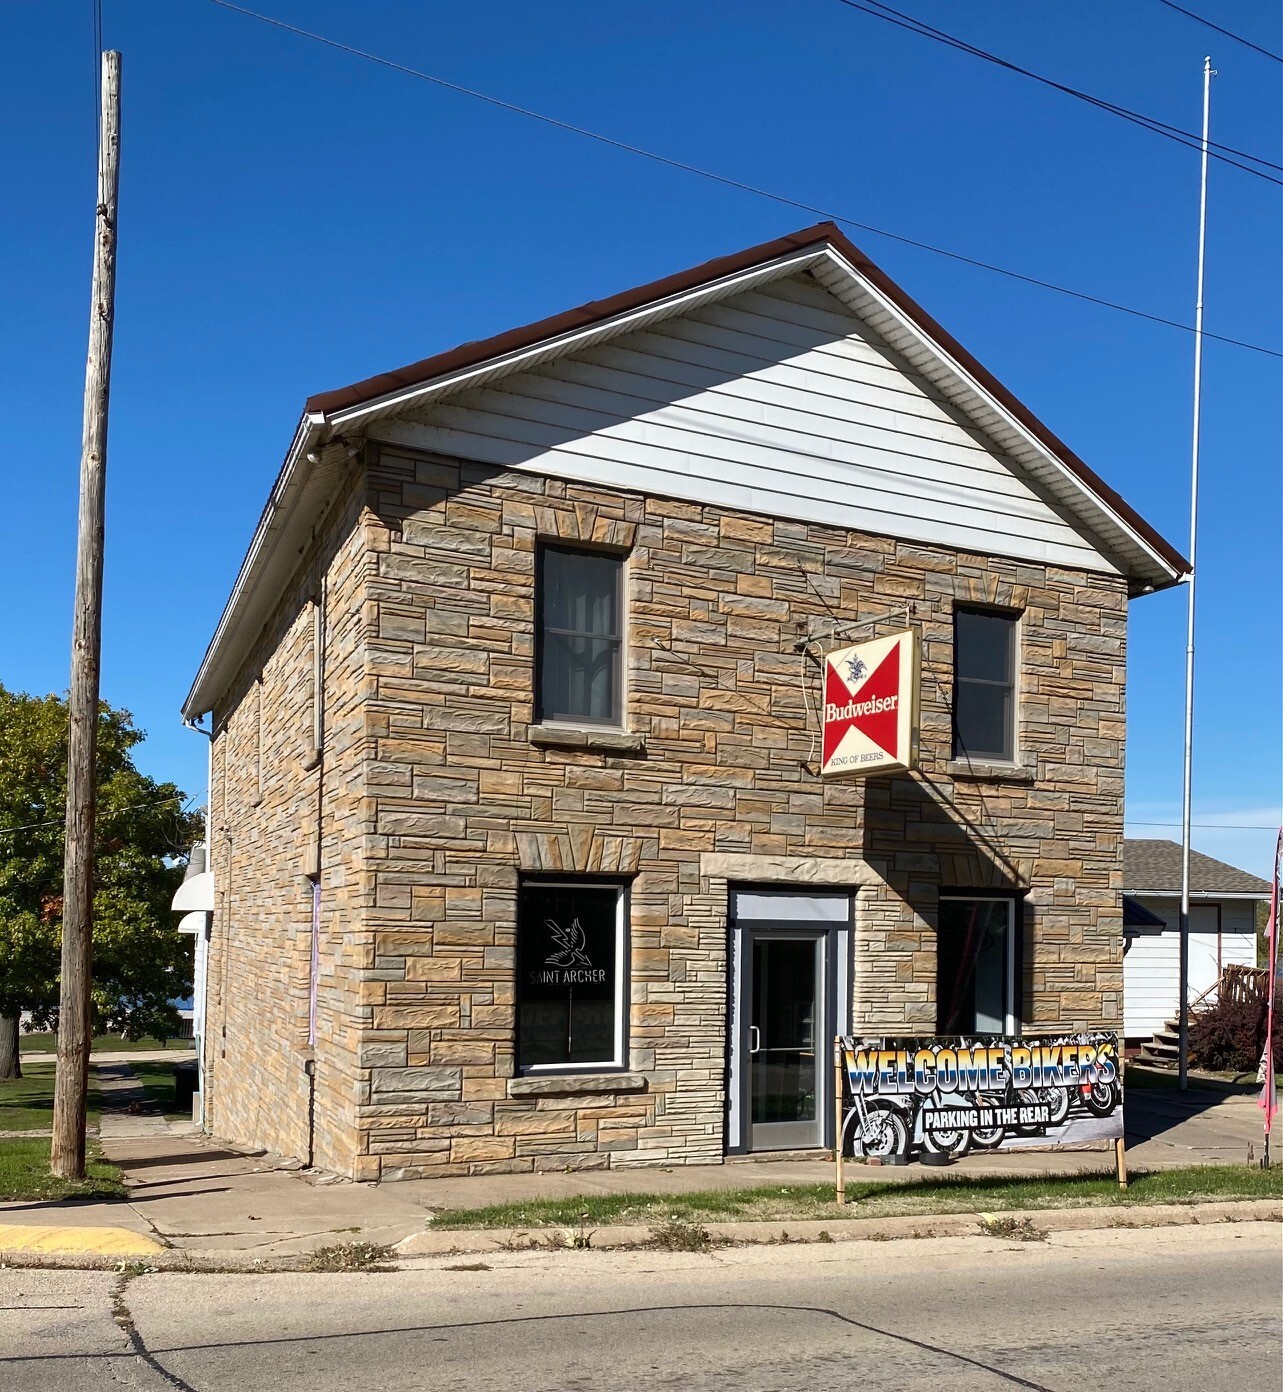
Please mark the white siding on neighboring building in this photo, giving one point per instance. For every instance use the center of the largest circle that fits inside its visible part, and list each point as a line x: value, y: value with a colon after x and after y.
x: 779, y: 400
x: 1151, y: 968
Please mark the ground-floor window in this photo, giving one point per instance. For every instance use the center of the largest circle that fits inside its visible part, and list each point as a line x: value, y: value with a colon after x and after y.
x: 976, y: 966
x: 571, y: 959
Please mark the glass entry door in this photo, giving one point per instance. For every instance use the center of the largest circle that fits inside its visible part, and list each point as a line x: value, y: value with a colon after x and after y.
x: 786, y: 1025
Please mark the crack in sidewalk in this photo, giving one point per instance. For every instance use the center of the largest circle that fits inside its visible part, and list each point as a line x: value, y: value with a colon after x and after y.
x: 120, y: 1312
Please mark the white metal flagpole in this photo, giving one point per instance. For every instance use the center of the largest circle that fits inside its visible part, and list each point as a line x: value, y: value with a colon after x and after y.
x: 1187, y: 789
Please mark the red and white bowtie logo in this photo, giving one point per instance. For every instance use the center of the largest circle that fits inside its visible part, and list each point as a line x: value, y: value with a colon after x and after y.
x: 872, y: 706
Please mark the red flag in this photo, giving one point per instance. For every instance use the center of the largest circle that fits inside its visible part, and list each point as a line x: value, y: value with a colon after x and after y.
x: 1268, y: 1100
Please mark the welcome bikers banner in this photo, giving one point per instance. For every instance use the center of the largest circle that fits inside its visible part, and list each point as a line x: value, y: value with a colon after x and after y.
x: 946, y: 1096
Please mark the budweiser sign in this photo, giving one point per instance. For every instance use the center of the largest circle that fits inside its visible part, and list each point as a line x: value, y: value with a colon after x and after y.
x: 870, y: 714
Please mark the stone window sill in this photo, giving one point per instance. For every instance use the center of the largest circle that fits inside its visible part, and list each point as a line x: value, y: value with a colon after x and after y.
x: 574, y: 1084
x: 990, y: 772
x: 600, y: 739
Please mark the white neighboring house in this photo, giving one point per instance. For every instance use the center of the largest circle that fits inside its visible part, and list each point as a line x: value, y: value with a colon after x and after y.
x: 194, y: 899
x: 1222, y: 920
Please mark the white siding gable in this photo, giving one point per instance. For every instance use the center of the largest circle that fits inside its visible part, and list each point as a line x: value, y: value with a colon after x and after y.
x: 778, y: 401
x: 1151, y: 966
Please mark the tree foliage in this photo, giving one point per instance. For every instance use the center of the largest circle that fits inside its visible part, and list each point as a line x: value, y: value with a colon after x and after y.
x: 140, y: 963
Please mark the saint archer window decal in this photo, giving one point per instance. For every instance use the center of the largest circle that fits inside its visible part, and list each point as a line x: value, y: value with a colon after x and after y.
x: 570, y: 976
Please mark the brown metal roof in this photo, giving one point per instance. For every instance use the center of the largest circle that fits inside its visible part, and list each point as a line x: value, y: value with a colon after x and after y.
x: 822, y: 234
x: 1155, y: 866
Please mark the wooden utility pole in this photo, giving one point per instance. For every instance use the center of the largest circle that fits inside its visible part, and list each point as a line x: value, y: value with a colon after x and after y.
x: 67, y: 1155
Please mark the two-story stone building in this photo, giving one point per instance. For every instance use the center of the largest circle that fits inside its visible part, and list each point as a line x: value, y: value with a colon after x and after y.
x: 521, y: 850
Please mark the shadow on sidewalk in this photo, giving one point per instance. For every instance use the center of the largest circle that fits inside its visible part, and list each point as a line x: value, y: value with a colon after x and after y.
x: 174, y: 1159
x: 1152, y: 1112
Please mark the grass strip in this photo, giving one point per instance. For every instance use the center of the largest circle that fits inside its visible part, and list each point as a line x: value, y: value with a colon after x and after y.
x: 26, y: 1103
x: 877, y: 1199
x: 45, y: 1042
x: 24, y: 1174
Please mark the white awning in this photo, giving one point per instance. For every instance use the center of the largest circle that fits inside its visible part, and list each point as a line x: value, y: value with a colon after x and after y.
x: 195, y: 895
x: 192, y: 923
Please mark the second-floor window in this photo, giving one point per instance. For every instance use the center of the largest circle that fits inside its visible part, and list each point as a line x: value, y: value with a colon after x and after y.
x: 984, y: 688
x: 580, y: 636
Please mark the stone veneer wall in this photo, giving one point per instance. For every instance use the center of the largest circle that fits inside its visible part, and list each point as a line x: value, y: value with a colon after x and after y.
x: 280, y: 816
x: 462, y: 802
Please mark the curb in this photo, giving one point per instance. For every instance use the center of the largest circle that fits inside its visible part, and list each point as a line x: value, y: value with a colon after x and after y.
x: 106, y: 1248
x: 447, y: 1242
x: 18, y: 1239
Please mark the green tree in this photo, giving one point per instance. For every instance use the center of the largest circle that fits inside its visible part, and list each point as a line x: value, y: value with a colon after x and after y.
x: 140, y: 962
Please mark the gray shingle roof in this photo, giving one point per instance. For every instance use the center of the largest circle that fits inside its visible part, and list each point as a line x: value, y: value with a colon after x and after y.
x: 1155, y: 866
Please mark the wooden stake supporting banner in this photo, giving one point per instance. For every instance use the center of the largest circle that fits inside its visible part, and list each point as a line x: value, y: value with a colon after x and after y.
x: 1120, y: 1145
x: 71, y: 1084
x: 838, y: 1118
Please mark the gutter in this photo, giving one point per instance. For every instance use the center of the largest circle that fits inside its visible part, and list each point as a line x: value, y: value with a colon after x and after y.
x: 1261, y: 896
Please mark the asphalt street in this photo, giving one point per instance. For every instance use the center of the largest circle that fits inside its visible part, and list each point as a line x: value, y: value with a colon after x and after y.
x: 1176, y: 1309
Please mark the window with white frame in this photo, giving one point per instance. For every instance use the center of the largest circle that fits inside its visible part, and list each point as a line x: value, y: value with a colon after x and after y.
x: 984, y: 686
x: 579, y: 641
x: 977, y: 967
x: 571, y: 977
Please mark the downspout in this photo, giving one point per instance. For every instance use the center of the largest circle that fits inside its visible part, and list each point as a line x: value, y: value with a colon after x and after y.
x: 203, y: 948
x: 317, y: 761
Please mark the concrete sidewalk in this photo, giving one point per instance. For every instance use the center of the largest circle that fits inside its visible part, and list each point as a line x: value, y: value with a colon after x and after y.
x: 197, y: 1195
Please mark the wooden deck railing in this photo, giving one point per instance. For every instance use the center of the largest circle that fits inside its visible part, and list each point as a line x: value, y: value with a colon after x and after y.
x: 1236, y: 983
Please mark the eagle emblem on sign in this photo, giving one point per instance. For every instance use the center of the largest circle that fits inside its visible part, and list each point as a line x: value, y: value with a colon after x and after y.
x: 571, y: 941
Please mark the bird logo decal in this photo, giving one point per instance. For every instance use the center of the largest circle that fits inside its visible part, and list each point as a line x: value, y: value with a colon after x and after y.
x: 855, y: 669
x: 571, y: 942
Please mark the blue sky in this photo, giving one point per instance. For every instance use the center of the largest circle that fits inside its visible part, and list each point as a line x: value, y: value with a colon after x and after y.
x: 293, y: 219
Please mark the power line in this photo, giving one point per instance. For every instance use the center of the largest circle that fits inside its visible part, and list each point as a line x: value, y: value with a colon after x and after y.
x: 877, y: 10
x: 1206, y: 826
x: 1238, y: 38
x: 106, y: 816
x: 725, y: 180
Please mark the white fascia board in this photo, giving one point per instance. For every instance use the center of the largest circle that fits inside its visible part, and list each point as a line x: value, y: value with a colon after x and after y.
x: 574, y: 339
x: 1031, y: 441
x: 309, y: 431
x: 1261, y: 896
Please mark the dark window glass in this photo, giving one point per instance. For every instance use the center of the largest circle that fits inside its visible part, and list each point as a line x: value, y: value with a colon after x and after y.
x: 579, y: 636
x: 984, y: 688
x: 973, y: 990
x: 567, y: 974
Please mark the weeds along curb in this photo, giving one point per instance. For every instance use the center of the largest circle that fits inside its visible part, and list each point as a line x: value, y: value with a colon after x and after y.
x: 456, y: 1242
x: 1017, y: 1225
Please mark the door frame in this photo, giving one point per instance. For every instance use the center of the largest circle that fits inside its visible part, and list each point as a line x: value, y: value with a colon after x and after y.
x: 834, y: 933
